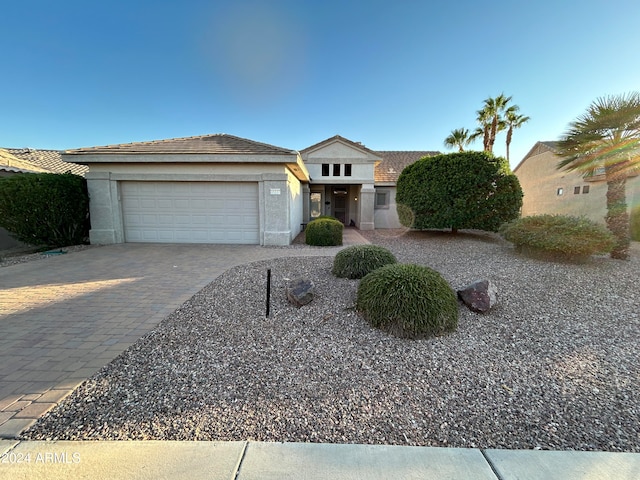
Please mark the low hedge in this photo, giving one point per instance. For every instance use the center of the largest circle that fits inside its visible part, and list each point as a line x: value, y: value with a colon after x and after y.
x: 359, y: 260
x: 324, y: 232
x: 558, y: 235
x: 408, y: 301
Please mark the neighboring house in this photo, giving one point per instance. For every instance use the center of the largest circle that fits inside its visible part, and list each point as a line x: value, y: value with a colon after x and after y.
x: 225, y: 189
x: 15, y: 161
x: 549, y: 190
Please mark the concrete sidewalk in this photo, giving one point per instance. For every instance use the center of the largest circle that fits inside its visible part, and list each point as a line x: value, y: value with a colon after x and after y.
x: 301, y: 461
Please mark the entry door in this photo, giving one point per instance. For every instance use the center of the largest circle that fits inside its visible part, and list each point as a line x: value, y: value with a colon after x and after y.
x: 340, y: 207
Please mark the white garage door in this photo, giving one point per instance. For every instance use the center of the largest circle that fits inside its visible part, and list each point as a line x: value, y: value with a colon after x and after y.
x: 191, y: 212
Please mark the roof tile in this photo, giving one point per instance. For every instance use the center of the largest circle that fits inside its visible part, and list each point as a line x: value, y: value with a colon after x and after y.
x: 204, y: 144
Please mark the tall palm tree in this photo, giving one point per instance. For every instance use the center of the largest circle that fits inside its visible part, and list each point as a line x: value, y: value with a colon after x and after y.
x: 607, y: 136
x: 458, y: 138
x: 491, y: 121
x: 513, y: 120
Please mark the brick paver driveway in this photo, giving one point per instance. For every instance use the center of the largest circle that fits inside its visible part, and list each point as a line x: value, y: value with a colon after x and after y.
x: 63, y: 318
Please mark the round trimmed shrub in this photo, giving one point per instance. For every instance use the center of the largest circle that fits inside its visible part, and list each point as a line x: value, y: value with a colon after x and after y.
x: 559, y: 235
x: 359, y: 260
x: 324, y: 232
x: 408, y: 301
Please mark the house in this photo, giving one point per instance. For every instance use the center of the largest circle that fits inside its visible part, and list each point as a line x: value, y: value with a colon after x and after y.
x: 225, y: 189
x: 549, y: 190
x: 16, y: 161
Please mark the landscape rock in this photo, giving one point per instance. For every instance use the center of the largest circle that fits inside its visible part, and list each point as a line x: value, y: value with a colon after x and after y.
x: 300, y: 291
x: 479, y: 296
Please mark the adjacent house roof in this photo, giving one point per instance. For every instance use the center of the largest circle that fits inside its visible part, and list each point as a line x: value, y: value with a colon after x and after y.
x: 37, y: 161
x: 220, y: 143
x: 537, y: 149
x: 393, y: 162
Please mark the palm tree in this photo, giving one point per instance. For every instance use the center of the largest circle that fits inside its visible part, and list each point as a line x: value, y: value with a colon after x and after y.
x: 458, y: 138
x: 513, y: 120
x: 496, y: 106
x: 607, y: 136
x: 491, y: 121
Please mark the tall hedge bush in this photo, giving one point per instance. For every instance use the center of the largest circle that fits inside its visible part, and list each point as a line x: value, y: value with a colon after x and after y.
x: 45, y: 208
x: 472, y: 190
x: 634, y: 223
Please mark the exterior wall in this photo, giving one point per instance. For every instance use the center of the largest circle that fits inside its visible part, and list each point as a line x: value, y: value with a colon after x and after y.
x: 540, y: 181
x: 359, y: 173
x: 274, y: 181
x: 296, y: 206
x: 387, y: 217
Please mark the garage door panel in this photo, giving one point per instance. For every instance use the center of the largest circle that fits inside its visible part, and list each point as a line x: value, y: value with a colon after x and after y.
x: 191, y: 212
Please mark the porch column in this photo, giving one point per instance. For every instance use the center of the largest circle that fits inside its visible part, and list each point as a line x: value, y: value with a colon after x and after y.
x: 366, y: 200
x: 103, y: 209
x: 306, y: 194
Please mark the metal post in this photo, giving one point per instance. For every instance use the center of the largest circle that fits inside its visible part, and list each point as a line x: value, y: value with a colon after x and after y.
x: 268, y: 291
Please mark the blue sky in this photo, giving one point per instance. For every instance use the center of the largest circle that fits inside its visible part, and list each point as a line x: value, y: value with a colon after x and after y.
x: 394, y: 75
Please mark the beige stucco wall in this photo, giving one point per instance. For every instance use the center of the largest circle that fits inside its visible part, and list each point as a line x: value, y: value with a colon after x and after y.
x: 387, y: 217
x: 278, y: 216
x: 540, y: 181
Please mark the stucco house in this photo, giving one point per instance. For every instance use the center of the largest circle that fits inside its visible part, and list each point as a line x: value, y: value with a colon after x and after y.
x: 225, y: 189
x: 549, y: 190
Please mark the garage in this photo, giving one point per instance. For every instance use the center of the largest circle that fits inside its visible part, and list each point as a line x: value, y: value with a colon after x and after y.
x: 191, y: 212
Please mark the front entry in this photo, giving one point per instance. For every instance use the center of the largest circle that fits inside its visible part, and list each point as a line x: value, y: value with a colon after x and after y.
x: 340, y: 205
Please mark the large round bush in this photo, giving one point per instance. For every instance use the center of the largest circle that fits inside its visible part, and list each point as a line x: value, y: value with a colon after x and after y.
x: 559, y: 235
x: 408, y: 301
x: 359, y: 260
x: 472, y: 190
x: 324, y: 232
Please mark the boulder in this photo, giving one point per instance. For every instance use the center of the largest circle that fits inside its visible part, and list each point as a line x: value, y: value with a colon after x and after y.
x: 480, y: 296
x: 300, y: 291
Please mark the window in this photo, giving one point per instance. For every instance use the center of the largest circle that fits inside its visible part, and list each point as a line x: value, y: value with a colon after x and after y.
x: 347, y: 170
x: 560, y: 191
x: 325, y: 169
x: 336, y: 169
x: 382, y: 200
x: 315, y: 204
x: 576, y: 190
x: 585, y: 189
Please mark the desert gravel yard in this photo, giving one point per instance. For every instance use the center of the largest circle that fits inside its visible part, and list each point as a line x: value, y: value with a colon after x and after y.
x: 553, y: 366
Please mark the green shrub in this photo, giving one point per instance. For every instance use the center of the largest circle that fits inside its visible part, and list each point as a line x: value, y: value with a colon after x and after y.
x: 359, y: 260
x: 634, y: 223
x: 408, y: 301
x: 458, y: 190
x: 558, y: 235
x: 45, y: 208
x: 324, y: 232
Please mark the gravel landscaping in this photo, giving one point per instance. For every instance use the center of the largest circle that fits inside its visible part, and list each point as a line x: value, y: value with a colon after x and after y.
x: 553, y: 366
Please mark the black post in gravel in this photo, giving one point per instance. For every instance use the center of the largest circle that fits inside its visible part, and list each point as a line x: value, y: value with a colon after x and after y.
x: 268, y: 291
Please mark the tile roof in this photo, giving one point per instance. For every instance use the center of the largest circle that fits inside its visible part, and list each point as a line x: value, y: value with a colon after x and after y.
x: 342, y: 139
x: 35, y: 160
x: 393, y: 162
x: 220, y: 143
